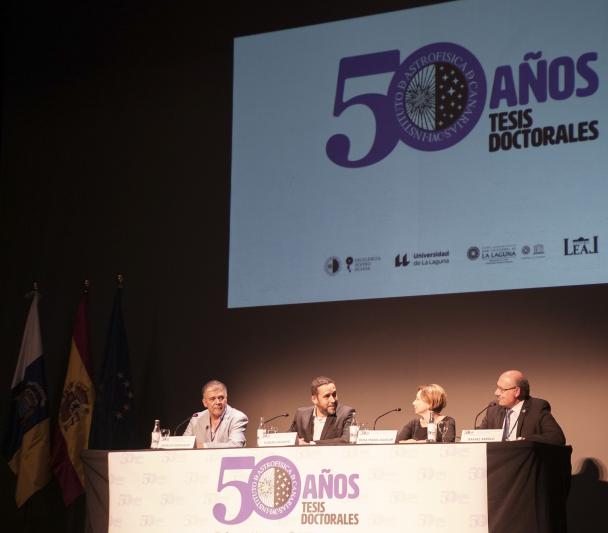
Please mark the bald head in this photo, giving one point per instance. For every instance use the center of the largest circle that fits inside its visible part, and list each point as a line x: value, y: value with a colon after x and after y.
x: 511, y: 388
x: 513, y: 376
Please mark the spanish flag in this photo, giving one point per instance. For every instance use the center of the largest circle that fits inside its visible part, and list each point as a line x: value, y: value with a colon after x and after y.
x: 76, y: 410
x: 27, y: 442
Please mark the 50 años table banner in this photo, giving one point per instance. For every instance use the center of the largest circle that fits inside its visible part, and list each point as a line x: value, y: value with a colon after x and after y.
x: 413, y: 488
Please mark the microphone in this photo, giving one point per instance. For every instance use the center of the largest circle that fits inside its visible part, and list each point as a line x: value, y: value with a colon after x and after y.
x: 282, y: 415
x: 397, y: 409
x: 184, y: 421
x: 491, y: 404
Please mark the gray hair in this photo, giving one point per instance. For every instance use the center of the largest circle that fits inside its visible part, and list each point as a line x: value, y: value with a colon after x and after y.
x: 524, y: 388
x: 212, y: 384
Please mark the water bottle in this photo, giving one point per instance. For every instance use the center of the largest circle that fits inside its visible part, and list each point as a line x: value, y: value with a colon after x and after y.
x: 353, y: 431
x: 155, y: 435
x: 261, y: 430
x: 431, y: 429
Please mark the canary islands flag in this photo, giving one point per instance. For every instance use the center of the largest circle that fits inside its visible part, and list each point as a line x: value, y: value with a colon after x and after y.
x: 26, y: 444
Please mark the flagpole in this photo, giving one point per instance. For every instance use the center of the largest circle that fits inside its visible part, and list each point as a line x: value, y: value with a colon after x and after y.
x: 30, y: 294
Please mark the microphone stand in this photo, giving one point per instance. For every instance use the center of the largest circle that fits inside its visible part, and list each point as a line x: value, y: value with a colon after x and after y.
x: 383, y: 414
x: 282, y: 415
x: 491, y: 404
x: 184, y: 421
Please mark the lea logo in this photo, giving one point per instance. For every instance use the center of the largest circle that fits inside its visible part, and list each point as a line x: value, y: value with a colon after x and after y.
x: 581, y: 246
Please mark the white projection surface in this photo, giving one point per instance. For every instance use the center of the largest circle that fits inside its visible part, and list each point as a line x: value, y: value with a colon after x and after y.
x: 458, y: 147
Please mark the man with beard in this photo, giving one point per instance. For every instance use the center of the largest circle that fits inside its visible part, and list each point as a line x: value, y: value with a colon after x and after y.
x: 324, y: 422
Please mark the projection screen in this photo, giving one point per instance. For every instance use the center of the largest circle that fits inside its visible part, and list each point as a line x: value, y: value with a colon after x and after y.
x: 451, y: 148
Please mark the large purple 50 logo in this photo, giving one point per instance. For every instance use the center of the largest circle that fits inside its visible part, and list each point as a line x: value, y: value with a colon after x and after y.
x: 272, y: 491
x: 434, y: 100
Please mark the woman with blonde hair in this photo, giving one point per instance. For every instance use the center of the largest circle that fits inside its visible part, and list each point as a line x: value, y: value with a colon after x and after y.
x: 430, y: 399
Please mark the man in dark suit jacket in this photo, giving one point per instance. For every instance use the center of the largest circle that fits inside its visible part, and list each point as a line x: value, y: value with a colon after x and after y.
x: 529, y: 418
x: 324, y: 422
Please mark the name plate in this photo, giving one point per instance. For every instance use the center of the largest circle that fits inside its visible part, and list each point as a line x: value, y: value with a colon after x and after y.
x: 176, y: 443
x: 481, y: 435
x: 379, y: 436
x: 278, y: 439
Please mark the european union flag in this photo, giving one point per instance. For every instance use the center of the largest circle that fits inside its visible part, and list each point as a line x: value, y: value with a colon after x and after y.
x: 113, y: 417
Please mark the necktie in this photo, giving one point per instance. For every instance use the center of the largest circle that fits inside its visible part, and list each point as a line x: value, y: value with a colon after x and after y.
x: 506, y: 430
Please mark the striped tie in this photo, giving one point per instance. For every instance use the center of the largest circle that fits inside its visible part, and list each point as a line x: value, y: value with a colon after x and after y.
x: 506, y: 430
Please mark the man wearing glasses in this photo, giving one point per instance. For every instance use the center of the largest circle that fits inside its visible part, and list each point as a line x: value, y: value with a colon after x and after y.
x: 519, y: 415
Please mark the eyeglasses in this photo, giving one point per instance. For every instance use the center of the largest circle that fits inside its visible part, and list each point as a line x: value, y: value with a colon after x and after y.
x: 501, y: 390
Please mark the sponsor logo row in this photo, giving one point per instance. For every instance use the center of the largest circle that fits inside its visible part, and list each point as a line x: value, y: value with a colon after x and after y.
x: 496, y: 254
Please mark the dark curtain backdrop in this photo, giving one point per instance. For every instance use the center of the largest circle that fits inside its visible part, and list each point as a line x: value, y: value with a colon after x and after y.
x: 115, y: 157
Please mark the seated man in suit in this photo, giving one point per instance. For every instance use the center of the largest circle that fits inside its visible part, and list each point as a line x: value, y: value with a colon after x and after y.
x: 519, y: 415
x: 324, y: 422
x: 218, y: 426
